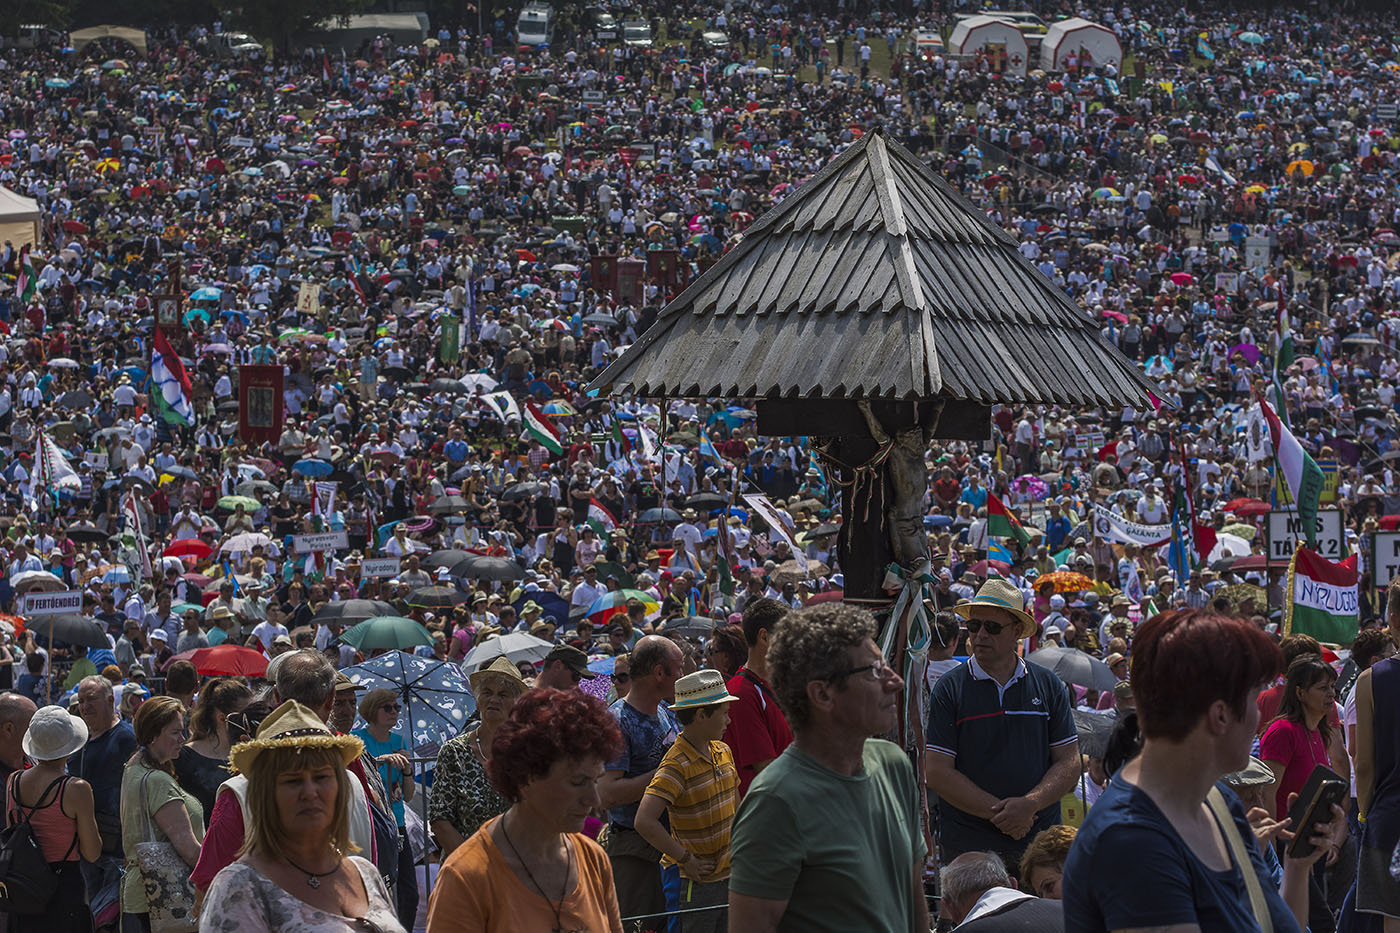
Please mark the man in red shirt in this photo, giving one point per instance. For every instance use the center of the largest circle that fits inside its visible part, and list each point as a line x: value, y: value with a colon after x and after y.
x: 757, y: 731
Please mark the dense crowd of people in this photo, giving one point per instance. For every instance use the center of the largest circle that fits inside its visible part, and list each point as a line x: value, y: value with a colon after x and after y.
x: 436, y: 246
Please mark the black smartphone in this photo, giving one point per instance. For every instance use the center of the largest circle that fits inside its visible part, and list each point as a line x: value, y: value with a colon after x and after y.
x: 1313, y: 806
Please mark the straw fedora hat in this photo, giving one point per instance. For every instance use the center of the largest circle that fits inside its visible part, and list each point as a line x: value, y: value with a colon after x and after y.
x: 703, y: 688
x: 1002, y: 595
x: 293, y: 725
x: 54, y: 733
x: 501, y: 667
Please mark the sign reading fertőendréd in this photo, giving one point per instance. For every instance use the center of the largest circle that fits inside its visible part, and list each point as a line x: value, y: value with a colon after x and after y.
x: 320, y: 541
x: 51, y: 604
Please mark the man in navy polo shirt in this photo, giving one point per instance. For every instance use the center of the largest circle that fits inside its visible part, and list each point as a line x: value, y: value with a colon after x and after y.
x: 1001, y: 739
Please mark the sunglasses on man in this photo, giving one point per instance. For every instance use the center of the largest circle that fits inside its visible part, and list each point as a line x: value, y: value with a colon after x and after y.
x: 993, y: 628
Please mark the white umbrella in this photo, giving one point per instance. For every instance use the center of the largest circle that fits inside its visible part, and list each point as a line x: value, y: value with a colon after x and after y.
x: 63, y: 362
x: 517, y: 647
x: 1228, y: 545
x: 246, y: 542
x: 472, y: 380
x: 27, y: 580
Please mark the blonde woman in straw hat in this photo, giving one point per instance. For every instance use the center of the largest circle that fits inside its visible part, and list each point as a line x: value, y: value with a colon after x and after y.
x: 463, y: 797
x: 295, y: 873
x: 60, y: 810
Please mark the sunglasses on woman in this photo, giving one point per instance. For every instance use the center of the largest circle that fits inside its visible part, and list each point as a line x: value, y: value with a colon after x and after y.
x: 621, y: 678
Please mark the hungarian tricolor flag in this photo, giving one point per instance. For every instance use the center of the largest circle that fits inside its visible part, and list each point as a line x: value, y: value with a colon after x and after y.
x: 622, y: 442
x: 1322, y: 599
x: 28, y: 282
x: 1002, y: 524
x: 599, y: 518
x: 1300, y: 472
x: 537, y: 426
x: 325, y: 68
x: 171, y: 384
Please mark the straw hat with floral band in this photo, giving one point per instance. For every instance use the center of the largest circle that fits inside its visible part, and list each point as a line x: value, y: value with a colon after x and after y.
x: 501, y: 667
x: 1000, y: 594
x: 293, y: 725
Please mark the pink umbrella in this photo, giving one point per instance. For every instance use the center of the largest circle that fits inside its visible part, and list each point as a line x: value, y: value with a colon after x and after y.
x: 696, y: 224
x: 1247, y: 350
x: 1034, y: 484
x: 1183, y: 278
x: 1118, y: 316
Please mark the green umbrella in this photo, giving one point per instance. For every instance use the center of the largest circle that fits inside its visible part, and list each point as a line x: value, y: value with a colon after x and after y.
x: 182, y: 608
x: 232, y: 502
x: 388, y: 632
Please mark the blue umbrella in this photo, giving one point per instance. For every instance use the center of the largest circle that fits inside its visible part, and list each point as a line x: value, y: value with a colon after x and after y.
x: 383, y: 532
x: 553, y: 607
x: 436, y: 698
x: 207, y: 293
x: 312, y: 467
x: 58, y: 83
x: 233, y: 315
x: 196, y: 314
x: 137, y: 374
x: 117, y: 575
x: 937, y: 521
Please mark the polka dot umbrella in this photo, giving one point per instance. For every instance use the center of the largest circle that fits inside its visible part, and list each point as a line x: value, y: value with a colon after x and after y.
x: 436, y: 699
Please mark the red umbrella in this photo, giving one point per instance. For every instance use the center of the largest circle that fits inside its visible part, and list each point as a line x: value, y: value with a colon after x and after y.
x: 524, y: 255
x: 829, y: 596
x: 233, y: 660
x: 198, y: 579
x: 189, y: 547
x: 1246, y: 507
x: 982, y: 566
x: 75, y: 226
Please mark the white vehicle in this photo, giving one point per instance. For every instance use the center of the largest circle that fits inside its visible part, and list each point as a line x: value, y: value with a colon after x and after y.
x: 33, y: 37
x: 636, y: 34
x: 928, y: 42
x: 535, y: 25
x: 235, y: 45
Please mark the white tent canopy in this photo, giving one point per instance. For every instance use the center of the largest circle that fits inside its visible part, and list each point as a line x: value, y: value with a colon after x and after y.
x: 1000, y: 40
x: 20, y: 219
x: 81, y: 38
x: 1091, y: 44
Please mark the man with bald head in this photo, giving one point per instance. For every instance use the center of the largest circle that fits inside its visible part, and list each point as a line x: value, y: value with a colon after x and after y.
x: 15, y: 713
x: 648, y: 730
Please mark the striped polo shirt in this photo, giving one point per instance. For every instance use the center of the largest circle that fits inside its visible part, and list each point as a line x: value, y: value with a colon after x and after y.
x: 701, y: 793
x: 1000, y: 737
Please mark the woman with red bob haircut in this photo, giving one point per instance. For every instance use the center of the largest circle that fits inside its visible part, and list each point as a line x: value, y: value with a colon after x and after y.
x: 531, y: 868
x: 1166, y: 846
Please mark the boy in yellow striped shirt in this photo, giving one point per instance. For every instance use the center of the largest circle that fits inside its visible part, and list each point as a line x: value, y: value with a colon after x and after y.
x: 697, y: 786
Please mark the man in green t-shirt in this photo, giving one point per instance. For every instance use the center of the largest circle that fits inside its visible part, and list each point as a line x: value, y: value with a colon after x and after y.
x: 829, y: 837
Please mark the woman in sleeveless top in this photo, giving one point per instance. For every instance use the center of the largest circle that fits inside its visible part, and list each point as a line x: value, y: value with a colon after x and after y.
x: 60, y: 810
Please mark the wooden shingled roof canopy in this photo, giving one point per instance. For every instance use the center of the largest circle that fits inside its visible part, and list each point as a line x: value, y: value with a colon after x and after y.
x: 875, y: 279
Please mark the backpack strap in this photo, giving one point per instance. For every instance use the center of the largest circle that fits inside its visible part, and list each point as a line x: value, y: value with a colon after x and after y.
x: 17, y: 804
x: 1240, y: 857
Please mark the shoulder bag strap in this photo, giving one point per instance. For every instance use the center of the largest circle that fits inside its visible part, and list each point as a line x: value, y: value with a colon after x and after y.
x: 1241, y: 858
x: 148, y: 836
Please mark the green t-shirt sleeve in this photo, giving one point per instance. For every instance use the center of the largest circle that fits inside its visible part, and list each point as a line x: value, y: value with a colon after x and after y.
x: 767, y: 847
x: 160, y: 790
